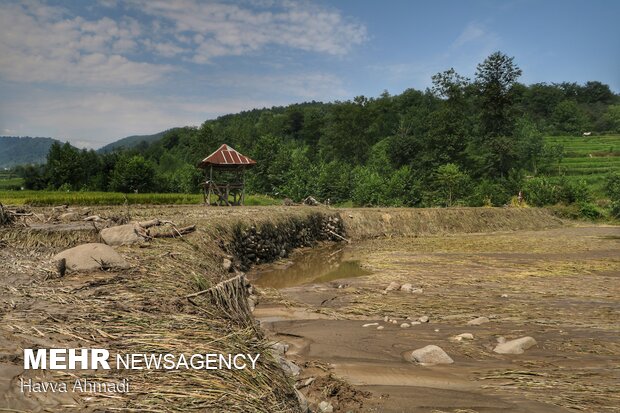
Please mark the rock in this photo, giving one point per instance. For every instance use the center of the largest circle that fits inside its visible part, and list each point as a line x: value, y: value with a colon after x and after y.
x: 370, y: 324
x: 386, y: 319
x: 325, y: 407
x: 516, y: 346
x: 88, y: 257
x: 279, y: 348
x: 463, y: 336
x: 380, y: 328
x: 306, y: 382
x: 406, y: 287
x: 227, y: 265
x: 423, y: 319
x: 417, y: 291
x: 478, y: 321
x: 121, y: 235
x: 303, y: 402
x: 504, y: 295
x: 415, y: 323
x: 393, y: 286
x: 290, y: 368
x: 430, y: 355
x: 405, y: 325
x: 69, y: 216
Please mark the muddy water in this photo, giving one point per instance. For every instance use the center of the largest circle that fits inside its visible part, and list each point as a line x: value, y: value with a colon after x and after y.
x: 317, y: 265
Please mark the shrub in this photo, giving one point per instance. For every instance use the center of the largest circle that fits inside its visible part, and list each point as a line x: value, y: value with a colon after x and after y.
x: 540, y: 192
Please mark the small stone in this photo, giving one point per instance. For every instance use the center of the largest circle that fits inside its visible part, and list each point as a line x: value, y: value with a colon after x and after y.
x: 380, y: 328
x: 405, y: 325
x: 393, y: 286
x: 406, y: 287
x: 69, y: 216
x: 289, y: 367
x: 227, y: 265
x: 415, y: 323
x: 279, y: 348
x: 325, y: 407
x: 430, y: 355
x: 516, y: 346
x: 478, y: 321
x: 370, y: 324
x: 417, y: 291
x: 436, y: 330
x: 504, y: 295
x: 394, y: 322
x: 303, y: 402
x: 423, y: 319
x: 386, y: 319
x: 463, y: 336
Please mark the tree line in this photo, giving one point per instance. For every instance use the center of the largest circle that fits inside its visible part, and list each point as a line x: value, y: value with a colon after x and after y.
x: 461, y: 142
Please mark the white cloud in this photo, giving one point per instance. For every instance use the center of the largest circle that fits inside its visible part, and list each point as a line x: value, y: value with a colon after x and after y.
x: 223, y: 29
x: 472, y: 32
x: 41, y: 44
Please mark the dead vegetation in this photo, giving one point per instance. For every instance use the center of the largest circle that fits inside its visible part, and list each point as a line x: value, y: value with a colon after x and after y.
x: 146, y: 308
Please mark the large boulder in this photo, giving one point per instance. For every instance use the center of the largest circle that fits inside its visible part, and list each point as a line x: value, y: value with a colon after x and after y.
x: 516, y: 346
x: 88, y: 257
x: 430, y: 355
x: 121, y: 235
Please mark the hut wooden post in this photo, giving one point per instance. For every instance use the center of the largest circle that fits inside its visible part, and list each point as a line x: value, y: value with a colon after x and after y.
x: 242, y: 200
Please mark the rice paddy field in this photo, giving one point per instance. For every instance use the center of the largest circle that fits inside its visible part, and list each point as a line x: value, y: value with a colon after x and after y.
x: 47, y: 198
x: 589, y: 158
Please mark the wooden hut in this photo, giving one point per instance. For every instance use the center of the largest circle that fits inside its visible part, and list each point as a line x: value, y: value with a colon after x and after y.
x: 225, y: 176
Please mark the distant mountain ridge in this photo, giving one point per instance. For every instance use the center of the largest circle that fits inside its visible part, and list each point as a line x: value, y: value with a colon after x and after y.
x: 20, y: 150
x: 132, y: 141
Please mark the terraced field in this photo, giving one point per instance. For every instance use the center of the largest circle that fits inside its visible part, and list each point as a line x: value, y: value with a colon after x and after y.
x: 589, y: 158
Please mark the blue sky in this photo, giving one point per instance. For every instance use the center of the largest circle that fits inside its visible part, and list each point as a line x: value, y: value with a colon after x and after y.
x: 93, y: 72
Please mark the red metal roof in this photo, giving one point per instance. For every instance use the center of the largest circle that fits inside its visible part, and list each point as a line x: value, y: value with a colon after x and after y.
x: 226, y: 156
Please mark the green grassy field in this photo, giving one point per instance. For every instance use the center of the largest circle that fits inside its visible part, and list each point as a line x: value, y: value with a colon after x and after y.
x: 589, y: 158
x: 9, y: 180
x: 44, y: 198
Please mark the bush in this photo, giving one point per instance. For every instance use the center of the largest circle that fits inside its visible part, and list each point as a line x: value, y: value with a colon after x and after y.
x: 574, y: 192
x: 540, y: 192
x: 589, y: 211
x: 612, y: 188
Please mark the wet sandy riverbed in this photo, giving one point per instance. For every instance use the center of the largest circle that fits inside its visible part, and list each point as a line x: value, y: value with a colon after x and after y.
x: 559, y: 286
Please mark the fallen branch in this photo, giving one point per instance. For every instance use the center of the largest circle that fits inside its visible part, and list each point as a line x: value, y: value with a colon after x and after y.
x: 339, y: 236
x: 151, y: 223
x: 175, y: 232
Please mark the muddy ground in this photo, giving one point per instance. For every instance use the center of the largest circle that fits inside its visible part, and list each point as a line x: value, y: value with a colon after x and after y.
x: 560, y: 286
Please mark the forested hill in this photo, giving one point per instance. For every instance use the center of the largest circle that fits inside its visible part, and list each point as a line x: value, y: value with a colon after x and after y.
x: 461, y: 142
x: 132, y: 141
x: 16, y: 150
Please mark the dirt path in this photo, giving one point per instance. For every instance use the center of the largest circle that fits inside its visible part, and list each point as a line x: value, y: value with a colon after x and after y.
x: 559, y: 286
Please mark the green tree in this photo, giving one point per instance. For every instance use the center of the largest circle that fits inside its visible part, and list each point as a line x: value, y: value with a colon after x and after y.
x: 451, y: 183
x: 133, y: 174
x: 495, y: 78
x: 569, y: 118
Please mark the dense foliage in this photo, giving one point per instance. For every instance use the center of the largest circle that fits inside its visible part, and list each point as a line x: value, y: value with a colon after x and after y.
x: 461, y: 142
